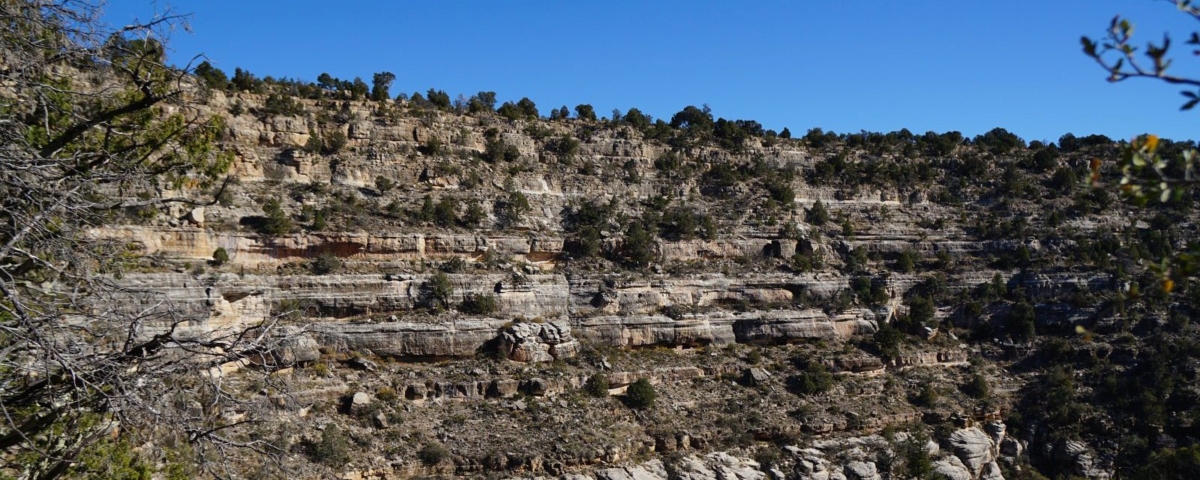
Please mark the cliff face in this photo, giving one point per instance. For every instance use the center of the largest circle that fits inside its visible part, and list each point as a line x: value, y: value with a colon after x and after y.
x: 386, y: 309
x: 738, y: 267
x: 454, y: 268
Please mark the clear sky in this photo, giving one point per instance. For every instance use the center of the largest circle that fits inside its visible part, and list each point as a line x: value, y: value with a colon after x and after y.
x: 845, y: 66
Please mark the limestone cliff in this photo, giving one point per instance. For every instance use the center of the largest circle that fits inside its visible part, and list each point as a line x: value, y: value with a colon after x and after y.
x: 452, y: 279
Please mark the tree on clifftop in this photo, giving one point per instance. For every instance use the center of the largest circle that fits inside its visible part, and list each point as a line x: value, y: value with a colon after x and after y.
x: 380, y: 84
x: 584, y: 111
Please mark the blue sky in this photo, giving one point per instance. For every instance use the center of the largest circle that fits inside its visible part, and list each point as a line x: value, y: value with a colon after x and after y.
x: 844, y: 66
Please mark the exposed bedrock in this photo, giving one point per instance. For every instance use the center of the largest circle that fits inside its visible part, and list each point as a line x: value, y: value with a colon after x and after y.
x: 387, y: 314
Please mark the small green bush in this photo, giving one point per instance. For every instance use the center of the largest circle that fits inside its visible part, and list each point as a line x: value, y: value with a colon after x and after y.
x: 325, y: 263
x: 334, y: 142
x: 445, y: 212
x: 780, y: 191
x: 433, y: 453
x: 847, y: 227
x: 319, y: 222
x: 313, y: 144
x: 213, y: 77
x: 978, y: 387
x: 495, y: 150
x: 454, y: 265
x: 387, y: 394
x: 384, y: 184
x: 754, y: 357
x: 425, y: 214
x: 584, y: 111
x: 638, y: 249
x: 928, y: 396
x: 474, y: 217
x: 887, y: 341
x: 905, y: 263
x: 815, y: 379
x: 108, y: 459
x: 220, y: 257
x: 596, y: 385
x: 332, y: 449
x: 807, y: 261
x: 565, y: 147
x: 817, y: 215
x: 479, y: 304
x: 278, y: 222
x: 432, y: 147
x: 440, y: 290
x: 641, y: 394
x: 282, y: 105
x: 921, y: 313
x: 1021, y: 322
x: 512, y: 209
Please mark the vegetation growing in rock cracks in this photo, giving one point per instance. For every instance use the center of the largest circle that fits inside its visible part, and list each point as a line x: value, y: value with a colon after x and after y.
x: 636, y: 247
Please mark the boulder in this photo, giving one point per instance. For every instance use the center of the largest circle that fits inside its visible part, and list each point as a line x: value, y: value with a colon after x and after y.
x: 754, y: 377
x: 1080, y: 457
x: 951, y: 468
x: 861, y: 471
x: 502, y: 388
x: 195, y: 217
x: 1011, y: 447
x: 359, y: 401
x: 991, y: 471
x: 973, y: 447
x: 360, y: 363
x: 718, y: 465
x: 537, y: 342
x: 416, y: 392
x: 380, y: 420
x: 996, y: 430
x: 537, y: 387
x: 651, y: 470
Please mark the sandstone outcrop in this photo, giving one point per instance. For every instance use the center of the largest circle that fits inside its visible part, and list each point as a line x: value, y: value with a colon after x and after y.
x: 537, y: 342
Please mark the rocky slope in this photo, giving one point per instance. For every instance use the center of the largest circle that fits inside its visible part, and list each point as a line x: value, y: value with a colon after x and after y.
x: 447, y: 289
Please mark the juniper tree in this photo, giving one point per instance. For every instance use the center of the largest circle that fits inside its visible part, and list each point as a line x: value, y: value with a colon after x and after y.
x: 380, y: 84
